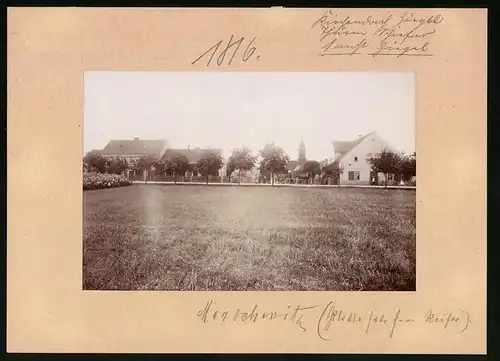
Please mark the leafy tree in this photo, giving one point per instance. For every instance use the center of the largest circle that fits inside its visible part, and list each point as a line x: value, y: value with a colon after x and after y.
x: 408, y: 167
x: 274, y: 160
x: 209, y: 163
x: 148, y: 161
x: 230, y: 168
x: 166, y: 166
x: 332, y: 171
x: 388, y: 163
x: 95, y: 162
x: 312, y: 168
x: 118, y: 165
x: 178, y: 164
x: 242, y: 160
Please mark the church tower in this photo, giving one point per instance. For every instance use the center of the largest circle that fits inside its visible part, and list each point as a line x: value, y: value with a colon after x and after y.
x: 302, y: 152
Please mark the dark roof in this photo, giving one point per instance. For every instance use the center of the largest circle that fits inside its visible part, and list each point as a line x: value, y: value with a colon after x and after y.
x: 135, y: 147
x: 193, y: 155
x: 343, y: 147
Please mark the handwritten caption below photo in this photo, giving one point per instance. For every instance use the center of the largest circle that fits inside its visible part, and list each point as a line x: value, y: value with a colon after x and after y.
x: 325, y: 319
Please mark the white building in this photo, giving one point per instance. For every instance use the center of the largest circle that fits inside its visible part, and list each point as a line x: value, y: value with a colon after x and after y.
x: 353, y: 157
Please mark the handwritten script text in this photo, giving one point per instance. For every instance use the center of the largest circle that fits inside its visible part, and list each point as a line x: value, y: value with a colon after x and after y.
x: 326, y: 320
x: 405, y: 35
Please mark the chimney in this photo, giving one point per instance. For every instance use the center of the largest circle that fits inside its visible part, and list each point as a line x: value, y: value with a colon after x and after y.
x: 135, y: 138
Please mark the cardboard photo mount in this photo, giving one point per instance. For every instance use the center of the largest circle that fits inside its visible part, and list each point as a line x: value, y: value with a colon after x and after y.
x: 49, y: 49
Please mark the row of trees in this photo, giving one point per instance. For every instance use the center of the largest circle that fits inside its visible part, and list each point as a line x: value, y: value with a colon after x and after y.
x: 273, y: 161
x: 95, y: 162
x: 179, y: 164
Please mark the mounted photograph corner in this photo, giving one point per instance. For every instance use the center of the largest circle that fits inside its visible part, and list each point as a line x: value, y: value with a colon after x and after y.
x: 249, y: 181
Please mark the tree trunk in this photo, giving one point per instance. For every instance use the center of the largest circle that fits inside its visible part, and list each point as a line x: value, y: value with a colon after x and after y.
x: 385, y: 180
x: 239, y: 177
x: 207, y: 179
x: 175, y: 177
x: 272, y: 179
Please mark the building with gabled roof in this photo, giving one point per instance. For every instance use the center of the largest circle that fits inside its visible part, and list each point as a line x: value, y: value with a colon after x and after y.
x: 135, y: 148
x: 353, y: 157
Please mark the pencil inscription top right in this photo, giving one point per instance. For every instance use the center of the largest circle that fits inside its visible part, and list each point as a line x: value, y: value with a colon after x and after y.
x: 388, y: 35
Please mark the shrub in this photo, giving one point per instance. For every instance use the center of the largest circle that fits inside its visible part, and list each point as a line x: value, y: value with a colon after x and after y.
x: 102, y: 180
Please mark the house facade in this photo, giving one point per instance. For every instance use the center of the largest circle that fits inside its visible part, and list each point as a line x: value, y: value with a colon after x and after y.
x: 353, y: 157
x: 133, y: 149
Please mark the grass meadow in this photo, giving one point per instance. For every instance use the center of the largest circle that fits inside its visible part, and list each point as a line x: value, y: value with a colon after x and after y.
x: 175, y: 237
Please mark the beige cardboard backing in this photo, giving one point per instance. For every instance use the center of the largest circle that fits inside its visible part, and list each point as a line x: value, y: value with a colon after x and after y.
x: 48, y: 51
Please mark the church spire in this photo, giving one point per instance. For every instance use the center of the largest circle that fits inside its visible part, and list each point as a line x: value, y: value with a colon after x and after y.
x: 302, y: 151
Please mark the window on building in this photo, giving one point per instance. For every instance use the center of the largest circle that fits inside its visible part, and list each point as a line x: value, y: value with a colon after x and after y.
x: 377, y: 155
x: 354, y: 175
x: 369, y: 156
x: 355, y: 159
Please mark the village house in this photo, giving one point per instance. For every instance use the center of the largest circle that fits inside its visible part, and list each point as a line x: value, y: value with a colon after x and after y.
x: 133, y: 149
x: 353, y: 157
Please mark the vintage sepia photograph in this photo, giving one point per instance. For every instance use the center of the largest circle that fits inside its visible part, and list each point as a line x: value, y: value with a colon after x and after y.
x: 249, y: 181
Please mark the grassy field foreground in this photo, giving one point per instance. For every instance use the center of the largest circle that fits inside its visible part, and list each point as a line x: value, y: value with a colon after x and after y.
x: 153, y: 237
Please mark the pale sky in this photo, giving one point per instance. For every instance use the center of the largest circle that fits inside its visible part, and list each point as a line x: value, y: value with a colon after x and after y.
x: 230, y: 109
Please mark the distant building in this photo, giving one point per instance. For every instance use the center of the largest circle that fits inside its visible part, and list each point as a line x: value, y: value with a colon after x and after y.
x: 353, y: 157
x: 133, y: 149
x: 295, y: 165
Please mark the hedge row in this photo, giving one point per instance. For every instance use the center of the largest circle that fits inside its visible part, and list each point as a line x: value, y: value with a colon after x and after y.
x: 102, y: 180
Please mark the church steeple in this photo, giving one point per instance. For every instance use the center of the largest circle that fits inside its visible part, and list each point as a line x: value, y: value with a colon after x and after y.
x: 302, y: 151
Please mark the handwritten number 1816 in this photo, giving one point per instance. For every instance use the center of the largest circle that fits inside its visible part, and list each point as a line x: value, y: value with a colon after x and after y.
x: 235, y: 44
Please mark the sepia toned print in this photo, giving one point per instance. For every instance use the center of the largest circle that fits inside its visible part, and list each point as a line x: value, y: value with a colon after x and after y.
x: 249, y: 182
x: 50, y: 53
